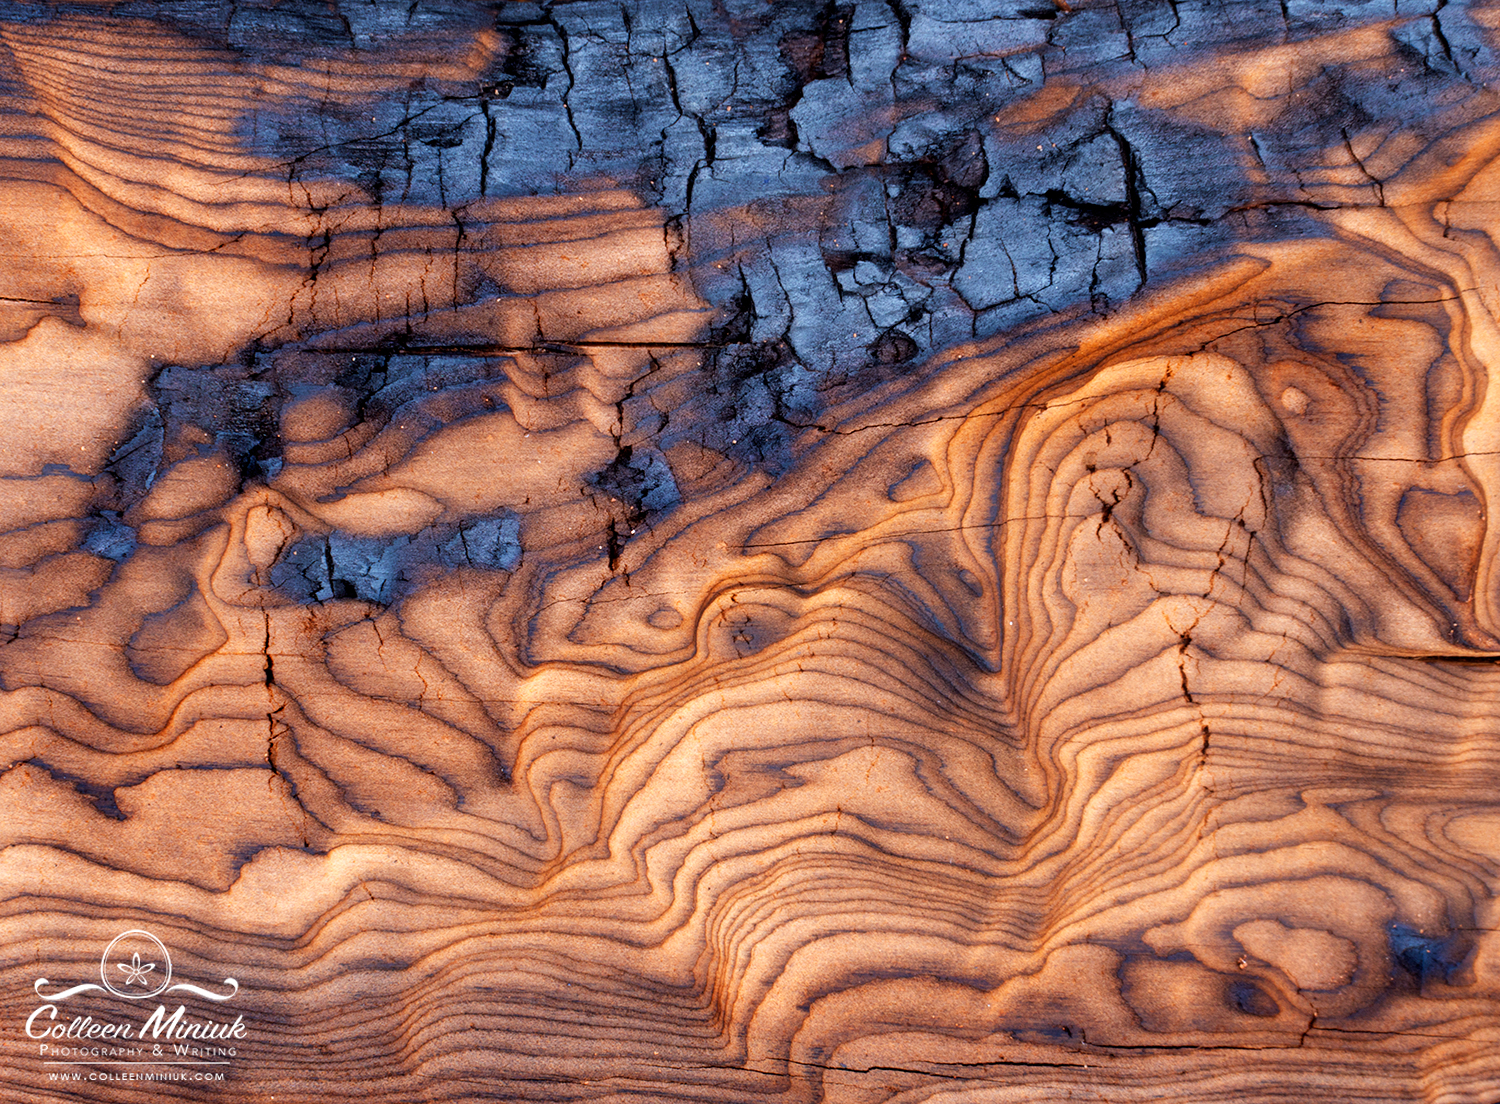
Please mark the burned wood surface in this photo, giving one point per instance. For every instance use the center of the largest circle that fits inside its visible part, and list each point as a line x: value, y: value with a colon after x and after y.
x: 910, y: 550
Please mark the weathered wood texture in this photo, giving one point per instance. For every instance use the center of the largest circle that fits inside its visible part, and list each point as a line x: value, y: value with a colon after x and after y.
x: 918, y: 550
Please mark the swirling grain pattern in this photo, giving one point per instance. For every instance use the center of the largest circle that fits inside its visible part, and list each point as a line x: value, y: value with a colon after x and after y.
x: 512, y: 618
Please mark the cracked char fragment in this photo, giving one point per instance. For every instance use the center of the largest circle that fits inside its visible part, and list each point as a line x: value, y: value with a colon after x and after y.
x: 110, y: 537
x: 1011, y: 255
x: 381, y: 569
x: 492, y: 542
x: 934, y: 40
x: 641, y: 479
x: 846, y: 119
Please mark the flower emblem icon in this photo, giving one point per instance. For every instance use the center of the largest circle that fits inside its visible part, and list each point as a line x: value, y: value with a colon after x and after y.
x: 136, y: 966
x: 135, y: 972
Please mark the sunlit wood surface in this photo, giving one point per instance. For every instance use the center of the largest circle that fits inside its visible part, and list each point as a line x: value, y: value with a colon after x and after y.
x: 747, y: 552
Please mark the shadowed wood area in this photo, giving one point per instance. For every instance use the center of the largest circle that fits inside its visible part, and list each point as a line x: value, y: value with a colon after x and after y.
x: 909, y: 551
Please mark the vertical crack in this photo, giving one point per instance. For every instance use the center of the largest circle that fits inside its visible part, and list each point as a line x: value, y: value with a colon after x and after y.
x: 276, y: 730
x: 1442, y: 40
x: 567, y: 64
x: 265, y: 651
x: 1374, y: 182
x: 1131, y: 164
x: 489, y: 145
x: 1184, y: 642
